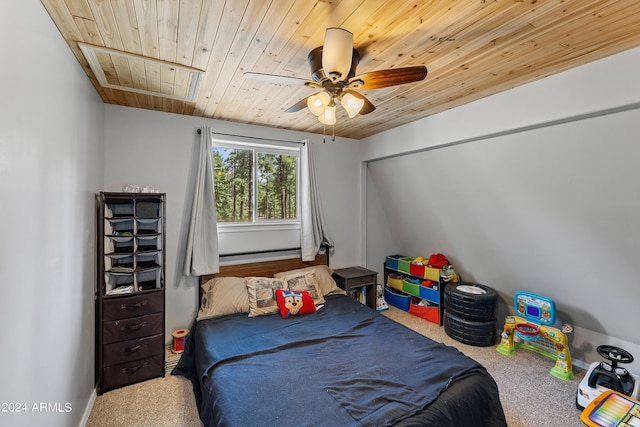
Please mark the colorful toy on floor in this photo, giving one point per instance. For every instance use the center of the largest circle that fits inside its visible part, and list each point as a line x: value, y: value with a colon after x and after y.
x: 607, y: 375
x: 448, y: 274
x: 612, y: 409
x: 381, y: 304
x: 534, y: 318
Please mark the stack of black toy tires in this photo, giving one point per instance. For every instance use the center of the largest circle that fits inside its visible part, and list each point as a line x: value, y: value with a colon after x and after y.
x: 470, y: 313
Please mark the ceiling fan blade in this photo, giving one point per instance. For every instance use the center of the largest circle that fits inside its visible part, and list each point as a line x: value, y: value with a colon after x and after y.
x: 298, y: 105
x: 390, y: 77
x: 367, y: 107
x: 337, y: 53
x: 273, y: 78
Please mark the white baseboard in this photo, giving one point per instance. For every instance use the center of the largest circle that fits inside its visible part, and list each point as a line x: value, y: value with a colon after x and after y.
x: 88, y: 408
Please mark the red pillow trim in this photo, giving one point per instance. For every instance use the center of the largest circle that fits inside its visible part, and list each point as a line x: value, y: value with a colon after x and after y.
x: 294, y: 303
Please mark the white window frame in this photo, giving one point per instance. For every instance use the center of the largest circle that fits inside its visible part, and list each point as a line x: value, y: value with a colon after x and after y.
x: 269, y: 147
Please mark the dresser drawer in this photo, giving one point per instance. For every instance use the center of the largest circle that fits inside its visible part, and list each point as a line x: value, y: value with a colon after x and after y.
x: 131, y: 306
x: 352, y: 282
x: 127, y: 351
x: 135, y: 327
x: 115, y: 376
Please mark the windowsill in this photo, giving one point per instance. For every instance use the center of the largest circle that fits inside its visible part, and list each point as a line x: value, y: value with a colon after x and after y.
x: 266, y: 226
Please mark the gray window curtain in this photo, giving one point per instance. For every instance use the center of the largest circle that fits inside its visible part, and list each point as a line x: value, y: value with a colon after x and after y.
x: 314, y: 233
x: 202, y: 255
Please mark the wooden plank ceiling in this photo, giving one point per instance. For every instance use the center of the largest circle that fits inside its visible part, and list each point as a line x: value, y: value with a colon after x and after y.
x: 472, y: 49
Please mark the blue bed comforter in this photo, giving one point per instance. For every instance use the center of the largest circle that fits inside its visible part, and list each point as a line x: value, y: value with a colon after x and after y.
x: 342, y: 365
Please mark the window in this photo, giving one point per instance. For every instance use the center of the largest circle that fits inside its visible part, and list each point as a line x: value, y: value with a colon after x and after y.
x: 255, y: 183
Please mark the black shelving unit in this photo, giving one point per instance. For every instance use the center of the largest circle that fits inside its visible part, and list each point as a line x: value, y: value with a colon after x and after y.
x: 130, y: 296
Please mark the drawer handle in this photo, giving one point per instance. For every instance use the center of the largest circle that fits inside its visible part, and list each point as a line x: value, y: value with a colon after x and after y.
x: 133, y: 369
x: 133, y: 306
x: 135, y: 327
x: 132, y: 349
x: 138, y: 305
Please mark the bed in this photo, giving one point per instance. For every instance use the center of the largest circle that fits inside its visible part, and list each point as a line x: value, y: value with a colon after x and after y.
x: 342, y: 364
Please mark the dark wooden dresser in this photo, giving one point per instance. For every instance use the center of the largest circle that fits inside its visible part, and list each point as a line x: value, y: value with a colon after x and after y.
x: 130, y: 298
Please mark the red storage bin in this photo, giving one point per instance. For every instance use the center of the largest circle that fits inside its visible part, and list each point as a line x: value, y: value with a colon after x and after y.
x: 432, y: 314
x: 416, y: 269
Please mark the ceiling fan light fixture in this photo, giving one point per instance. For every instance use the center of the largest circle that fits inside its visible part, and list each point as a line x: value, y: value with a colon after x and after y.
x: 355, y: 84
x: 328, y: 116
x: 317, y: 103
x: 337, y: 53
x: 333, y: 71
x: 351, y: 104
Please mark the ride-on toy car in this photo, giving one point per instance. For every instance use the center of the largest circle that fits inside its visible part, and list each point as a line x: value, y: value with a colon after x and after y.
x: 608, y: 375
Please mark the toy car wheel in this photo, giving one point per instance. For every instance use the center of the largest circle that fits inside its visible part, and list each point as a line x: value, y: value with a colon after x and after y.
x: 471, y: 301
x: 481, y: 334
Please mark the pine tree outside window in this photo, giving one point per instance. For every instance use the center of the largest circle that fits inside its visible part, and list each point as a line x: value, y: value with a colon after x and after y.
x: 256, y: 183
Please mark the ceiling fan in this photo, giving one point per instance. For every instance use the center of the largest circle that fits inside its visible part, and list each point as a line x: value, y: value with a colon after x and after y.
x: 333, y: 69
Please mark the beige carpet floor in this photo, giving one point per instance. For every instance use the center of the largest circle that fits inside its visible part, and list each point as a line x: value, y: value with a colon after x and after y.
x: 530, y: 396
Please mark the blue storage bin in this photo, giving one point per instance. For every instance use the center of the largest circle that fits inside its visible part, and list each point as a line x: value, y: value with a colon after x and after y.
x: 392, y: 261
x: 429, y: 294
x: 397, y: 298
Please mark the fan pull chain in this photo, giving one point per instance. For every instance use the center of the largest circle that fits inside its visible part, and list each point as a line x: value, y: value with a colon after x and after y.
x: 324, y: 133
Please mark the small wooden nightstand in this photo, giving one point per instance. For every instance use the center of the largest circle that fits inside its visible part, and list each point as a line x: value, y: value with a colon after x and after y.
x: 352, y: 278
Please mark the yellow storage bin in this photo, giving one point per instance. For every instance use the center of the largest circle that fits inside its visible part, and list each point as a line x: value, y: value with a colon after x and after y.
x: 395, y: 282
x: 432, y: 273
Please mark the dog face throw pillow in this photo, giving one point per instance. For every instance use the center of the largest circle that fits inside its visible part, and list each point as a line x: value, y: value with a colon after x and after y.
x: 294, y: 303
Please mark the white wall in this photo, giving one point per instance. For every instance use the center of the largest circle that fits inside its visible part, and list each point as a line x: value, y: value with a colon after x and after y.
x: 159, y: 150
x: 533, y: 189
x: 51, y: 148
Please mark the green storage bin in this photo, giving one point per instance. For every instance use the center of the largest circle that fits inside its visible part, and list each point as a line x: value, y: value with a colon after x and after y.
x: 411, y: 286
x: 404, y: 264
